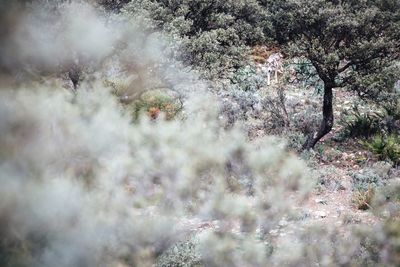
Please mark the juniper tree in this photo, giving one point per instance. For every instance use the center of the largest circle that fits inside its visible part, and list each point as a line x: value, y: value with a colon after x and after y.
x: 350, y: 43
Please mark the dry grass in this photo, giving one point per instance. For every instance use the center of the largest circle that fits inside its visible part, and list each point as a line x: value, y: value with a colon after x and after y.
x: 363, y: 198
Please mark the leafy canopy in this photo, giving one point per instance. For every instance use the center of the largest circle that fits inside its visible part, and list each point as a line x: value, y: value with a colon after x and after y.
x: 214, y: 33
x: 349, y: 42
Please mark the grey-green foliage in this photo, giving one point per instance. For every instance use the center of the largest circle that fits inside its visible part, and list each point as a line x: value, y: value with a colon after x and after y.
x: 182, y: 254
x: 386, y: 147
x: 214, y: 33
x: 247, y: 79
x: 305, y: 75
x: 82, y: 185
x: 350, y: 43
x: 391, y: 104
x: 375, y: 175
x: 113, y: 5
x: 346, y: 41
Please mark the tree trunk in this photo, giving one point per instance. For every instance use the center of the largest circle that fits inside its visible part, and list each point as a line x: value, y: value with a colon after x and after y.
x: 327, y: 119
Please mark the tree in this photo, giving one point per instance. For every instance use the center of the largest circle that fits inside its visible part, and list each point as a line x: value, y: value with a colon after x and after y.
x: 214, y: 33
x: 351, y: 44
x: 113, y: 5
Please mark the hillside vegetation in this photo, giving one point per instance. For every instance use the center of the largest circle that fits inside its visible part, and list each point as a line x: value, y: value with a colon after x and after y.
x: 199, y: 133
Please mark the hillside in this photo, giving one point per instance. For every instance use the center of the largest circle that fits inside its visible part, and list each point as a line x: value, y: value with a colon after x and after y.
x: 199, y: 133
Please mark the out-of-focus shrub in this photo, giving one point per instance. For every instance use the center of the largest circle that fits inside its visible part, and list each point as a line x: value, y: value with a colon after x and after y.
x: 157, y: 101
x: 81, y: 184
x: 382, y: 241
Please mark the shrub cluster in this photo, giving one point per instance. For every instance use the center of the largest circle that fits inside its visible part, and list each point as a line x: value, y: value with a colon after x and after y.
x: 214, y: 34
x: 385, y: 147
x: 95, y: 188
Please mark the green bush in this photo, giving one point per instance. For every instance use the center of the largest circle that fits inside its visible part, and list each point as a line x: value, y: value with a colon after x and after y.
x: 391, y: 106
x: 113, y: 5
x: 385, y: 147
x: 215, y: 52
x: 360, y: 124
x: 247, y: 79
x: 304, y: 74
x: 213, y: 33
x: 157, y: 101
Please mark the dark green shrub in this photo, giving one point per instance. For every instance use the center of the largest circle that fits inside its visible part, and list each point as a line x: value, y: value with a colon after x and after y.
x: 215, y: 52
x: 304, y: 74
x: 391, y: 122
x: 247, y: 79
x: 361, y: 124
x: 113, y: 5
x: 385, y: 147
x: 213, y: 33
